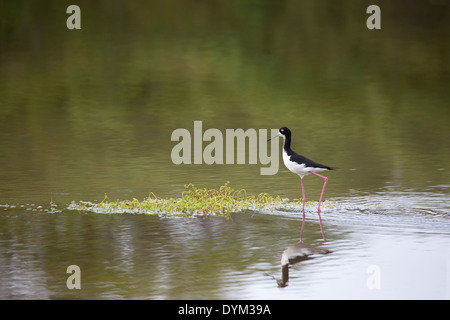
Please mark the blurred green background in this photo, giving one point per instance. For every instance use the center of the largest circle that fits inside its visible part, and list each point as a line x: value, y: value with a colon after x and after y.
x: 91, y: 111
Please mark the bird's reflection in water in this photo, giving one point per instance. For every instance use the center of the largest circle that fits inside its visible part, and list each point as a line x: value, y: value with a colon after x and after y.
x: 294, y: 254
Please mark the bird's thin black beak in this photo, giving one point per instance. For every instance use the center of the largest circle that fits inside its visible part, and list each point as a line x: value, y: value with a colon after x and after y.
x: 273, y: 137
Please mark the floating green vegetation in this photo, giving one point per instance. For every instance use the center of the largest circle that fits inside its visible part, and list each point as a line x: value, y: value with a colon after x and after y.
x: 193, y: 202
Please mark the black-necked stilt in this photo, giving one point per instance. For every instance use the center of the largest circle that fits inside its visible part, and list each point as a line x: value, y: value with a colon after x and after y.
x: 302, y: 166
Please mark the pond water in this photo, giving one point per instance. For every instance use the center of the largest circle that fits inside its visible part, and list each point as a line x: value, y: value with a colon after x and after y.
x: 91, y: 112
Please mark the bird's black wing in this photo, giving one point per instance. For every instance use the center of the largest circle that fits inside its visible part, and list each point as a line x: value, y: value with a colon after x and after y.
x: 308, y: 162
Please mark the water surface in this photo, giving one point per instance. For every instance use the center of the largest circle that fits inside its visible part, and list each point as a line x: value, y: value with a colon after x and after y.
x: 90, y: 112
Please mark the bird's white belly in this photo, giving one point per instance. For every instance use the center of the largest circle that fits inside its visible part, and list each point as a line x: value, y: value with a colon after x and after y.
x: 300, y: 169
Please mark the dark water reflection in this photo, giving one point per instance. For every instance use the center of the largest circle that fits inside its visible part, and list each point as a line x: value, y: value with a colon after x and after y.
x: 89, y: 112
x: 294, y: 254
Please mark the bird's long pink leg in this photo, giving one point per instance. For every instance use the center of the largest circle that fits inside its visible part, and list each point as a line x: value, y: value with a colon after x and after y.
x: 320, y: 200
x: 303, y: 220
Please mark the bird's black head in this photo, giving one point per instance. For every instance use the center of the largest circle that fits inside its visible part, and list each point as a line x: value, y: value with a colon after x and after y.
x: 284, y: 131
